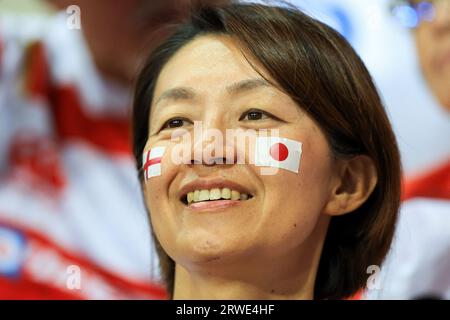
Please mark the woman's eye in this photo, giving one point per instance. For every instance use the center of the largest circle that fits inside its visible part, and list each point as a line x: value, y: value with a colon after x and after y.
x: 255, y: 114
x: 174, y: 123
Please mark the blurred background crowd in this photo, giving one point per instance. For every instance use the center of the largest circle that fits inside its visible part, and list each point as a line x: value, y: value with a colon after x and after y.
x: 70, y: 200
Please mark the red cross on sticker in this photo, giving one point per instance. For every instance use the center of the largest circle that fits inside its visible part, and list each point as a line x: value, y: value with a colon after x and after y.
x: 152, y: 162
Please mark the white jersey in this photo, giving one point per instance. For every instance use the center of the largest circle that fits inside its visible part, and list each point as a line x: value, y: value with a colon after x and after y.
x: 418, y: 264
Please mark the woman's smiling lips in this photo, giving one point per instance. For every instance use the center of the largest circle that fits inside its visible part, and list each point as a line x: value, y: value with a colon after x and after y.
x: 213, y: 194
x: 213, y: 205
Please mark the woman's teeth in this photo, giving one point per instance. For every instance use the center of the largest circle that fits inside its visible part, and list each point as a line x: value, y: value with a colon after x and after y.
x: 215, y: 194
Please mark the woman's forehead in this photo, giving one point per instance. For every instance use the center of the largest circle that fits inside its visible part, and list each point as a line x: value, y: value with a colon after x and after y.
x: 206, y: 61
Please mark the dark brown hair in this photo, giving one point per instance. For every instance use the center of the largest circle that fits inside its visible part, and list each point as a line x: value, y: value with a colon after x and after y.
x: 321, y: 72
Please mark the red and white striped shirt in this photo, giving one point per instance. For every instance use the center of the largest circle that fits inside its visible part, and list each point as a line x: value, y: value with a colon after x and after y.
x: 69, y: 195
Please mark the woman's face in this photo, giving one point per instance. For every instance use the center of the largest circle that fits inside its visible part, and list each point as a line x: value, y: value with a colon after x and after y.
x: 283, y: 209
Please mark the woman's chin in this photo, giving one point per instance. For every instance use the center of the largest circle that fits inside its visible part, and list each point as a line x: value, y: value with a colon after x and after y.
x: 209, y: 251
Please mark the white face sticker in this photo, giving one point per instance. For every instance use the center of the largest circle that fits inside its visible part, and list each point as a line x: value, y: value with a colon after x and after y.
x: 278, y: 152
x: 152, y: 162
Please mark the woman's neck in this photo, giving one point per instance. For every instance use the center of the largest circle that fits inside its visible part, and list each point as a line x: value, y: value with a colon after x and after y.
x: 194, y: 286
x: 275, y: 279
x: 282, y: 274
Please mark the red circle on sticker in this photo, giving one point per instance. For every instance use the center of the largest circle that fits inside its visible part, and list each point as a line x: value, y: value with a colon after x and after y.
x: 279, y: 151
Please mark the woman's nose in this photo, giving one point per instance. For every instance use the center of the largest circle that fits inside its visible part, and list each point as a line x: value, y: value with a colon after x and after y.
x: 210, y: 143
x: 213, y: 148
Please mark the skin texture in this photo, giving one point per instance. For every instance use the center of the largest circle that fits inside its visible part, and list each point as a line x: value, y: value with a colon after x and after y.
x: 282, y: 228
x: 433, y: 44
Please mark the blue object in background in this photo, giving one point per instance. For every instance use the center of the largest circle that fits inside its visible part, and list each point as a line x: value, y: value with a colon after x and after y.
x: 331, y: 13
x: 12, y: 251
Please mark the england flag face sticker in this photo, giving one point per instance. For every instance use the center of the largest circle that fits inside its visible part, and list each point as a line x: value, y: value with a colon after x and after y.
x: 278, y: 152
x: 152, y: 162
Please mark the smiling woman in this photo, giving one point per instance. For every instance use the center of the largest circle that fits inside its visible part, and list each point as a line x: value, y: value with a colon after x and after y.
x: 224, y: 229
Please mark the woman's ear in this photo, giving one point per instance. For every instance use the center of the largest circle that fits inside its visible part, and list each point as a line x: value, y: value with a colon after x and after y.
x: 354, y: 182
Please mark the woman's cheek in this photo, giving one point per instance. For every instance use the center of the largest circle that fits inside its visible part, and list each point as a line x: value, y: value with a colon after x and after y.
x: 290, y: 212
x: 157, y: 186
x: 157, y: 200
x: 294, y: 201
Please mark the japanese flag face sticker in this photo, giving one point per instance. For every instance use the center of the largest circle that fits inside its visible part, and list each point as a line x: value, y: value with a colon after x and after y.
x: 152, y: 162
x: 278, y: 152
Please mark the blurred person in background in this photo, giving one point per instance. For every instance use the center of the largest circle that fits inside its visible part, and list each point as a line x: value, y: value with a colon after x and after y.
x: 419, y: 262
x: 71, y: 225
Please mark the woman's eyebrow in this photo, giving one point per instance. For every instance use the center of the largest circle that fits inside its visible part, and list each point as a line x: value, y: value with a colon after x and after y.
x: 246, y: 85
x: 178, y: 93
x: 188, y: 93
